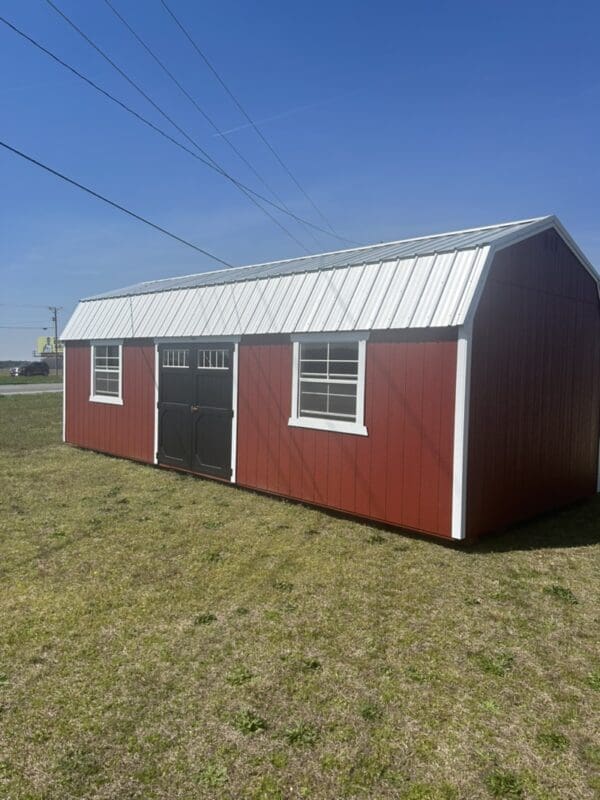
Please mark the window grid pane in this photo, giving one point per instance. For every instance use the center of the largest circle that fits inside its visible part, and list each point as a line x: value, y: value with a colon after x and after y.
x: 175, y: 358
x: 329, y: 361
x: 328, y: 381
x: 213, y: 359
x: 106, y: 369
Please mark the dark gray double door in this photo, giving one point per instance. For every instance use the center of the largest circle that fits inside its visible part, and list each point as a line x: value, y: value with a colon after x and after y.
x: 195, y: 407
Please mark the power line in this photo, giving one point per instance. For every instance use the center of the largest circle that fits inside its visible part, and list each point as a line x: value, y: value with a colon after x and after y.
x: 17, y: 305
x: 112, y: 203
x: 157, y: 129
x: 163, y: 113
x: 198, y: 107
x: 24, y: 327
x: 246, y: 115
x: 28, y: 321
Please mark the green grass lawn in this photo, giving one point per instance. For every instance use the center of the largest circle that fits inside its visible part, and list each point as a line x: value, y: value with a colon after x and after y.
x: 168, y: 637
x: 6, y: 379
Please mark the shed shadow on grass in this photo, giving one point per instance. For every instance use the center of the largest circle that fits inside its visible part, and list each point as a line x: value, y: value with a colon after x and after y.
x: 576, y: 525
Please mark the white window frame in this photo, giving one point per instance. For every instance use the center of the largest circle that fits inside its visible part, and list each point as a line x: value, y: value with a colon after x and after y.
x: 114, y: 400
x: 358, y: 427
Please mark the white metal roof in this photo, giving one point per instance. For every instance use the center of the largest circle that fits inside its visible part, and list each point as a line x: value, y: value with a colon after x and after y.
x: 415, y: 283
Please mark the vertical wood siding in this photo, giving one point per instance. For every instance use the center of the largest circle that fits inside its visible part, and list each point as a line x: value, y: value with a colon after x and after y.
x: 401, y: 473
x: 535, y: 381
x: 126, y: 430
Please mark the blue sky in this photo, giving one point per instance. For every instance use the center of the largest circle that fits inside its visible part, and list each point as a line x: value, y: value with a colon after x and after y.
x: 399, y: 119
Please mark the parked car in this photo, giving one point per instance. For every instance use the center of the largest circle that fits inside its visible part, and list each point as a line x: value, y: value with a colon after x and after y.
x: 30, y: 368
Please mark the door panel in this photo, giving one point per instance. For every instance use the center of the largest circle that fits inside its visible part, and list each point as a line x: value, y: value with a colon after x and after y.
x: 213, y: 383
x: 213, y: 389
x: 175, y: 386
x: 175, y: 389
x: 196, y: 407
x: 174, y: 443
x: 211, y: 443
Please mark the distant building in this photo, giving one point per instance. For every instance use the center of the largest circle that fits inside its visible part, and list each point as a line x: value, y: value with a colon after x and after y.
x: 47, y: 345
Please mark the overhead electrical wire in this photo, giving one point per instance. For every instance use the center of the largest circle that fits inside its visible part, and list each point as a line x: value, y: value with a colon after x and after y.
x: 163, y: 113
x: 136, y: 114
x: 199, y: 108
x: 246, y: 115
x: 22, y: 305
x: 156, y: 128
x: 112, y: 203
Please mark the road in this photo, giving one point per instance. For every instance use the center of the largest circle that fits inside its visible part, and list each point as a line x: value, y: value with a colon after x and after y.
x: 30, y: 388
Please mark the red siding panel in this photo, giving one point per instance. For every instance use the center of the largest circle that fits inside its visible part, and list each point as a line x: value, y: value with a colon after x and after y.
x: 401, y: 473
x: 126, y: 430
x: 535, y: 386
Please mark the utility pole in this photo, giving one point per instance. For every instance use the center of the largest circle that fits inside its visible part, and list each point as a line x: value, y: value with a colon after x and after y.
x: 55, y: 310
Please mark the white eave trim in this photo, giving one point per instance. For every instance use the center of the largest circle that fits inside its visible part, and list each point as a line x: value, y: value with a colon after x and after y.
x: 195, y: 339
x: 332, y: 336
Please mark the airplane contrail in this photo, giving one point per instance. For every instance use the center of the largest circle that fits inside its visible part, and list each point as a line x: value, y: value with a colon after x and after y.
x: 287, y: 113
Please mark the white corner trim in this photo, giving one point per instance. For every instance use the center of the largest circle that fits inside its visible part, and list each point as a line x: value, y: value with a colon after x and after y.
x: 234, y: 406
x: 156, y: 379
x: 598, y: 477
x: 461, y: 431
x: 64, y: 397
x: 357, y: 428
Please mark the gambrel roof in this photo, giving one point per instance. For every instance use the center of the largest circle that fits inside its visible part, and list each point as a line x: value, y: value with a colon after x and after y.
x: 429, y: 281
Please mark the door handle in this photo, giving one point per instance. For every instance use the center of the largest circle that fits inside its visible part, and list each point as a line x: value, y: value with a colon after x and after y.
x: 194, y: 409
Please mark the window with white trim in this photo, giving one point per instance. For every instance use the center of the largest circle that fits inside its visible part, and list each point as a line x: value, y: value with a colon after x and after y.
x: 328, y: 390
x: 106, y: 373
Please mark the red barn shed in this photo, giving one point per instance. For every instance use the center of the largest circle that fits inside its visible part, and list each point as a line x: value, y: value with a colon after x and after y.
x: 448, y: 384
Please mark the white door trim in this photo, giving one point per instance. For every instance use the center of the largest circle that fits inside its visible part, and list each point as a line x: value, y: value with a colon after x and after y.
x: 156, y: 379
x: 234, y: 406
